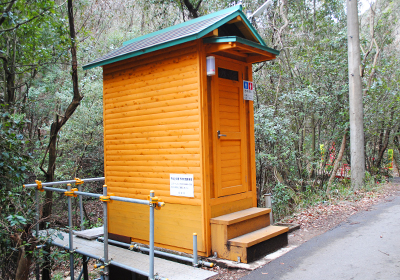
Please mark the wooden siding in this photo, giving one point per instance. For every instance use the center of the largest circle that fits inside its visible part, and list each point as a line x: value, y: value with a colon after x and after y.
x: 174, y: 224
x: 223, y: 208
x: 152, y: 129
x: 151, y: 124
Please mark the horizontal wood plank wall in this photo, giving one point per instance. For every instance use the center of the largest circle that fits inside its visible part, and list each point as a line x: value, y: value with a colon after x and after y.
x: 174, y: 224
x: 230, y: 207
x: 152, y: 129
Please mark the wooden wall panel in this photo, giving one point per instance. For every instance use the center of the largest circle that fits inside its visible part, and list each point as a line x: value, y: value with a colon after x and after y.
x: 187, y: 218
x: 223, y: 208
x: 151, y: 123
x: 151, y: 129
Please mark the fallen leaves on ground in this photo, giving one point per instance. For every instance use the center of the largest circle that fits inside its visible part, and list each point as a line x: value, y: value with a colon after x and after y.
x: 328, y: 214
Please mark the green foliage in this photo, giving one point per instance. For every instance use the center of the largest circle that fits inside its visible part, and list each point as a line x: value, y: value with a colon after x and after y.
x: 282, y: 200
x: 16, y: 220
x: 15, y: 204
x: 13, y: 157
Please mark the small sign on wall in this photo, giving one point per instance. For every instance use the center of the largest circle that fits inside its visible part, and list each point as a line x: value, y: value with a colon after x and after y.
x: 248, y: 90
x: 181, y: 185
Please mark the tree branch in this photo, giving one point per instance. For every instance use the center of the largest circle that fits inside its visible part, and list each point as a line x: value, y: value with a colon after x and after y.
x: 24, y: 22
x: 192, y: 10
x: 77, y: 96
x: 372, y: 34
x: 41, y: 164
x: 198, y: 5
x: 6, y: 11
x: 3, y: 57
x: 284, y: 17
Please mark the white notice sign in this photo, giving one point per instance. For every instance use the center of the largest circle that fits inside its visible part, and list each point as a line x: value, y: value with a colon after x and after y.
x: 181, y: 185
x: 248, y: 90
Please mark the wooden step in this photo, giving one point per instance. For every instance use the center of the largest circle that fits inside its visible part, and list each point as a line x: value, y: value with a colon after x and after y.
x: 240, y: 216
x: 246, y: 235
x: 258, y: 236
x: 238, y: 223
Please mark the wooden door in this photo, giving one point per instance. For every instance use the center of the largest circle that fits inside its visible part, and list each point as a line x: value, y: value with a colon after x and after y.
x: 230, y: 158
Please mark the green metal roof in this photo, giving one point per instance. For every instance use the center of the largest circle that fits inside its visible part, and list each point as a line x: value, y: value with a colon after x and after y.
x: 175, y: 35
x: 227, y: 39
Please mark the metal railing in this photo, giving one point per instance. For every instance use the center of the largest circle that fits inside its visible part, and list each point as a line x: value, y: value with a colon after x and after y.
x: 153, y: 203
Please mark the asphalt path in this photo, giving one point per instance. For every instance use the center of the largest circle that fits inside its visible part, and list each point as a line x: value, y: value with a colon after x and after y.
x: 366, y: 246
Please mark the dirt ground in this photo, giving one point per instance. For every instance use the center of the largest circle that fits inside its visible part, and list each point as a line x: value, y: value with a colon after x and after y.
x: 320, y: 218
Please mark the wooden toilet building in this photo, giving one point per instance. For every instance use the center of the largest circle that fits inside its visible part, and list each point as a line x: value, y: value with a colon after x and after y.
x: 189, y: 136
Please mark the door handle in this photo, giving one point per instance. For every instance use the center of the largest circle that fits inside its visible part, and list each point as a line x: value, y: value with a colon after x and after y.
x: 219, y: 134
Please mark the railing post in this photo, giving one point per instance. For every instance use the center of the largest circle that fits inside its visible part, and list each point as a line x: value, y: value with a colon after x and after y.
x: 85, y: 268
x: 71, y: 240
x: 81, y: 207
x: 151, y: 241
x: 195, y: 259
x: 268, y: 204
x: 105, y: 223
x: 37, y: 229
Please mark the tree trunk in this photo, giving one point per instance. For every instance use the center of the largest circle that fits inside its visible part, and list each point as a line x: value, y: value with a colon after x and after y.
x: 384, y: 144
x: 24, y: 263
x: 396, y: 142
x: 337, y: 161
x: 59, y: 123
x: 9, y: 80
x: 355, y: 98
x: 383, y: 148
x: 313, y: 135
x: 52, y: 150
x: 25, y: 242
x: 9, y: 73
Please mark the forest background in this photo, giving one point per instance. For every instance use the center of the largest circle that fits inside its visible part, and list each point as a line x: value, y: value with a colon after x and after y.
x: 51, y: 110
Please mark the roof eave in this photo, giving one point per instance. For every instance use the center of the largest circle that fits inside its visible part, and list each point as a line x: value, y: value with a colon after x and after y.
x: 228, y: 39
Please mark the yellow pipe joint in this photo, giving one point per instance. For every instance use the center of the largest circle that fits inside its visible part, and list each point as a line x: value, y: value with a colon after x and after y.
x: 39, y: 185
x: 71, y: 192
x: 105, y: 198
x: 157, y: 202
x: 78, y: 181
